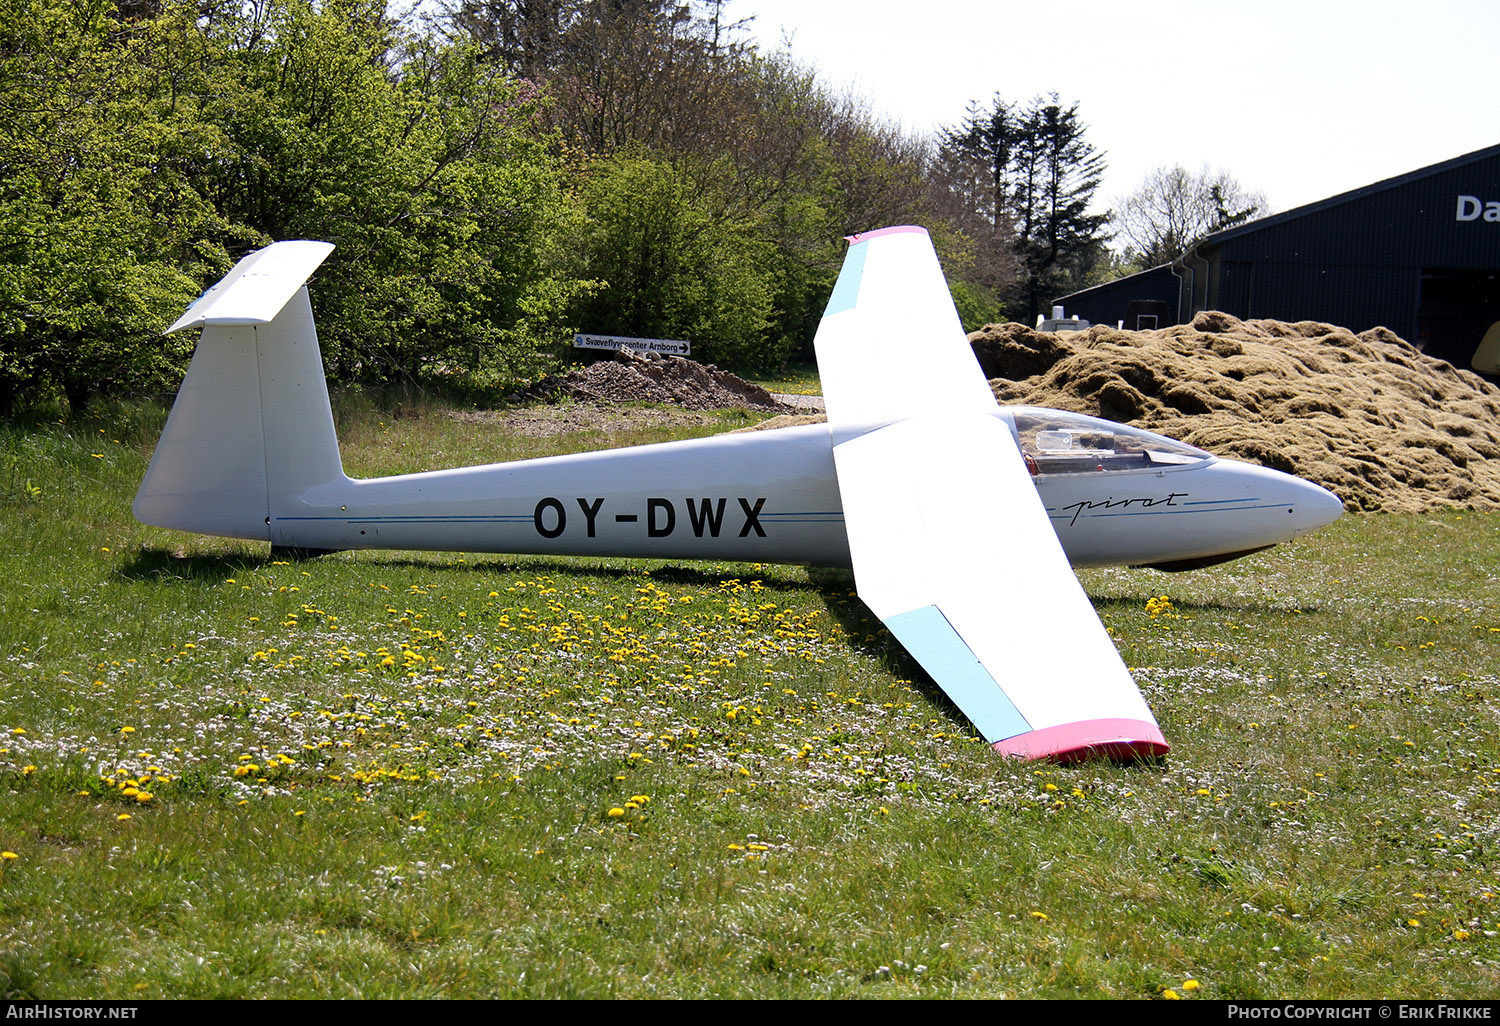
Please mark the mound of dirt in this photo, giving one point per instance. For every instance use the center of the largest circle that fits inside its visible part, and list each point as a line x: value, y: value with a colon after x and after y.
x: 1368, y: 416
x: 630, y: 377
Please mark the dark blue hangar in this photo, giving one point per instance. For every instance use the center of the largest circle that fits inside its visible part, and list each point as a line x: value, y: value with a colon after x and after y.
x: 1418, y: 254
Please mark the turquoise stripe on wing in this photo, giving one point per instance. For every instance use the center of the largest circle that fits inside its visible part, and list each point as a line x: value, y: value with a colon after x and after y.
x: 846, y: 289
x: 932, y: 641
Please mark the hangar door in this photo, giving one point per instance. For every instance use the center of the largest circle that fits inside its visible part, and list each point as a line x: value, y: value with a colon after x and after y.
x: 1458, y: 319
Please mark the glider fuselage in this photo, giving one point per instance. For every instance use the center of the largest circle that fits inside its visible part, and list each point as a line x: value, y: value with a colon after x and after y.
x: 772, y: 496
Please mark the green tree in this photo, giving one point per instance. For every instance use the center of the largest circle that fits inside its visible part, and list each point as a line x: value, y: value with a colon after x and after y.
x: 651, y: 155
x: 1063, y: 241
x: 1020, y: 181
x: 674, y: 266
x: 145, y: 147
x: 101, y: 234
x: 424, y: 165
x: 969, y: 181
x: 792, y: 167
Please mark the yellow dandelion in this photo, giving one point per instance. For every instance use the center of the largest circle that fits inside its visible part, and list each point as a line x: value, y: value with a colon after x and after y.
x: 8, y: 855
x: 122, y: 817
x: 1190, y: 985
x: 615, y: 813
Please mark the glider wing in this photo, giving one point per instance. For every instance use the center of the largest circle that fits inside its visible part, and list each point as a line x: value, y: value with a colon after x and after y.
x: 951, y: 546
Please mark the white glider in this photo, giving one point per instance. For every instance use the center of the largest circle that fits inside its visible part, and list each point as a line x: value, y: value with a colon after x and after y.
x: 959, y: 517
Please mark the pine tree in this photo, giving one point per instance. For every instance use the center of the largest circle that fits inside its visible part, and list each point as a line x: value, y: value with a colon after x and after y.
x: 1065, y: 241
x: 1019, y: 181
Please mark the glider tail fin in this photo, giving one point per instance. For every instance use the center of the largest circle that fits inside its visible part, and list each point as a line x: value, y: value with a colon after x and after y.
x: 251, y: 426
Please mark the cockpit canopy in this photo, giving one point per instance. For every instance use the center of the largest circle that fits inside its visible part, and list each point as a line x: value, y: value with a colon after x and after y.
x: 1056, y: 442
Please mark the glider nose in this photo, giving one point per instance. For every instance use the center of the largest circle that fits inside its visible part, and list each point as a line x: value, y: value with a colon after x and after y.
x: 1310, y: 506
x: 1288, y: 506
x: 1316, y: 506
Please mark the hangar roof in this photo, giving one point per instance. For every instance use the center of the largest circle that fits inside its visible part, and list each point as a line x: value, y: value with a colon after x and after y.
x: 1346, y: 197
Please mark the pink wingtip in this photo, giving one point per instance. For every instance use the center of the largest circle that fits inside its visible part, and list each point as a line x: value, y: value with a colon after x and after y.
x: 877, y: 233
x: 1119, y: 740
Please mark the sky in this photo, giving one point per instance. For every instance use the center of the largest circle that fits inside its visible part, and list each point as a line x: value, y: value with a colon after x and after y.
x: 1298, y: 99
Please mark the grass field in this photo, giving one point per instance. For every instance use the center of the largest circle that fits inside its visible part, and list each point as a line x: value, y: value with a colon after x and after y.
x: 794, y: 379
x: 397, y: 775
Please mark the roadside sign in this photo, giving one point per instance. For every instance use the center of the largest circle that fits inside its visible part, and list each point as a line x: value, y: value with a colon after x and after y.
x: 652, y: 345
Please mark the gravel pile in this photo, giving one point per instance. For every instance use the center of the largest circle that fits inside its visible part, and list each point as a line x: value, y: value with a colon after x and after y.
x: 630, y: 377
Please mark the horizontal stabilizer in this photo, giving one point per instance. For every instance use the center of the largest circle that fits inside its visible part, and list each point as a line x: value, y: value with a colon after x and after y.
x: 258, y: 287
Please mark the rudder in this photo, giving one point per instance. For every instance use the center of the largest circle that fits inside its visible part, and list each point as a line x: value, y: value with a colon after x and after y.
x: 251, y: 425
